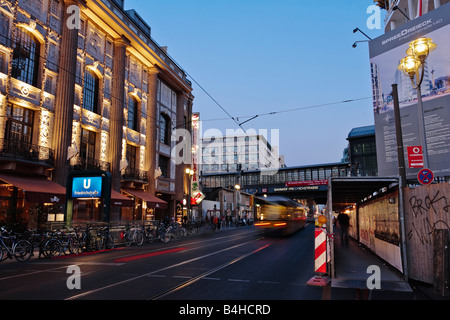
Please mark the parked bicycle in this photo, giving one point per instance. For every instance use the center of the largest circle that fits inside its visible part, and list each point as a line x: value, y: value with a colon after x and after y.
x: 105, y: 239
x: 11, y: 246
x: 132, y: 235
x: 87, y: 241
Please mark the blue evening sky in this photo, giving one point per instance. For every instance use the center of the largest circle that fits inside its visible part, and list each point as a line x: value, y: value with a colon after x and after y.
x: 261, y: 56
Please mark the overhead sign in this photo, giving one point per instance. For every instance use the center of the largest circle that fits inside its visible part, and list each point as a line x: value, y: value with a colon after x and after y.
x: 197, y: 198
x: 87, y: 187
x: 322, y: 182
x: 425, y: 176
x: 195, y: 186
x: 415, y: 157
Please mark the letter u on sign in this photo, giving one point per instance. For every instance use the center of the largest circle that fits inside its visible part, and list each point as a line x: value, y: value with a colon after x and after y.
x: 87, y: 184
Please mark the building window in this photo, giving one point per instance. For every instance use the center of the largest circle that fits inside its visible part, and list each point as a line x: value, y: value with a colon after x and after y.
x: 164, y: 129
x: 25, y: 62
x: 164, y: 166
x: 20, y: 124
x: 87, y: 150
x: 131, y: 156
x: 132, y: 121
x: 90, y: 92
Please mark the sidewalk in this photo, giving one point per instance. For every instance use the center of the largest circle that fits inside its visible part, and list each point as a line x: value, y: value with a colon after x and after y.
x: 351, y: 266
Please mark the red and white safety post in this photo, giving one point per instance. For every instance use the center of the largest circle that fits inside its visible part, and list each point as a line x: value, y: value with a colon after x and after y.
x: 320, y: 251
x: 320, y: 257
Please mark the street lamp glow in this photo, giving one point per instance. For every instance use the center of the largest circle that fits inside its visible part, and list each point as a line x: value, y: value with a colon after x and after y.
x: 410, y: 66
x: 237, y: 187
x: 421, y: 48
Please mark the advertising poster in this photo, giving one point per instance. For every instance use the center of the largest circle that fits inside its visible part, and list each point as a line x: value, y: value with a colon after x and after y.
x: 386, y: 52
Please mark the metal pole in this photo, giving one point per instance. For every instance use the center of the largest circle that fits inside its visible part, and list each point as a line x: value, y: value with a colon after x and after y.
x: 399, y: 136
x: 422, y: 131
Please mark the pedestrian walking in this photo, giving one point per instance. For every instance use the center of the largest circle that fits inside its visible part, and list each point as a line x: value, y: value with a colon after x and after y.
x: 343, y: 223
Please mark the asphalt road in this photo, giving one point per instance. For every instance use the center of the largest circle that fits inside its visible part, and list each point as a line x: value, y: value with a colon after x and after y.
x: 237, y: 264
x: 227, y: 265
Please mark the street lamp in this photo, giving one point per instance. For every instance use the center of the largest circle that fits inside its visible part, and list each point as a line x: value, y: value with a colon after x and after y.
x: 413, y: 66
x: 237, y: 187
x: 189, y: 173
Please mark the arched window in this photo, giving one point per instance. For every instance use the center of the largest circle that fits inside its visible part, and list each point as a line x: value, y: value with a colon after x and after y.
x: 164, y: 129
x: 132, y: 121
x: 25, y: 62
x: 90, y: 91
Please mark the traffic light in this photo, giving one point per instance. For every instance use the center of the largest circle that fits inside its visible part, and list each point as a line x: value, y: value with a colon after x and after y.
x: 383, y: 4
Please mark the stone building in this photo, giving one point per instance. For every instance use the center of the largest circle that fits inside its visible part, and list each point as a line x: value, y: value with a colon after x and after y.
x: 83, y: 86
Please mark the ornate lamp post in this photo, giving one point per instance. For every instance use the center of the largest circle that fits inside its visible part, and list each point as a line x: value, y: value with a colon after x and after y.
x: 413, y: 66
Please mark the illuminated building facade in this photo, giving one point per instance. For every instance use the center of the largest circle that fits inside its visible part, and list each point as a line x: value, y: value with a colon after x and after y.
x: 83, y: 86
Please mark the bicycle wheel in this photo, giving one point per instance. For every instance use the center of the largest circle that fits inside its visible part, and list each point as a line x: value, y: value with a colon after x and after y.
x: 150, y: 237
x: 93, y: 244
x: 23, y: 250
x: 74, y: 246
x: 127, y: 238
x: 138, y: 238
x: 109, y: 242
x: 165, y: 237
x: 3, y: 255
x: 52, y: 248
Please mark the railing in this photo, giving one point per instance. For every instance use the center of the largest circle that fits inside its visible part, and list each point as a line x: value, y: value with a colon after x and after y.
x: 90, y: 164
x: 10, y: 148
x: 135, y: 174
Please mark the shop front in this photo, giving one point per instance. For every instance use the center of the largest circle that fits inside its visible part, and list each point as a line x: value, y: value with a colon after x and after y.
x: 30, y: 202
x: 145, y: 206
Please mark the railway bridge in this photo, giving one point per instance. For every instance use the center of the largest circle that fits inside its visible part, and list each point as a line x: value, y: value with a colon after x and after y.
x: 298, y: 182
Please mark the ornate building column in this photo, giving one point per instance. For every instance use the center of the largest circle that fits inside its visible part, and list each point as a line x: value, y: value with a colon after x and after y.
x: 117, y: 104
x: 152, y: 117
x: 64, y: 98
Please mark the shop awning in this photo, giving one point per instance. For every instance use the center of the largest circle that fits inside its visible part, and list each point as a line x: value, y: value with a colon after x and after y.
x: 152, y: 201
x: 37, y: 189
x: 119, y: 200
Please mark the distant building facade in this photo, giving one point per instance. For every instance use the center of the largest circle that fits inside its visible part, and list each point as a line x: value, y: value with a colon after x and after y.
x: 238, y: 152
x: 361, y: 152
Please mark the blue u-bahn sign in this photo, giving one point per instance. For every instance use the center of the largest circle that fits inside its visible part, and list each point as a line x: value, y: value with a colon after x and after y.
x: 87, y: 187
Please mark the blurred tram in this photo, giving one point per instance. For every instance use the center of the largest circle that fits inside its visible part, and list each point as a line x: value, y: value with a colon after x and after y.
x: 280, y: 215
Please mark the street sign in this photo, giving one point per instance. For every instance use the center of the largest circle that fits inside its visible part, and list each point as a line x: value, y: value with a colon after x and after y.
x: 425, y: 176
x: 415, y: 157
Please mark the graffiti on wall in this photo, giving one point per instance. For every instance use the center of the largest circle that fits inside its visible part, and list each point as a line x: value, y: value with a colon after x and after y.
x: 427, y: 208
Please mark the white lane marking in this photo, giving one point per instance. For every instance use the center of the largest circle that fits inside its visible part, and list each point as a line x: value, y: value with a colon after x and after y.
x: 77, y: 296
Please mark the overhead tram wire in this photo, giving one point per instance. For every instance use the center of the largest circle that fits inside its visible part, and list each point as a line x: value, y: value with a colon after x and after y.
x: 251, y: 117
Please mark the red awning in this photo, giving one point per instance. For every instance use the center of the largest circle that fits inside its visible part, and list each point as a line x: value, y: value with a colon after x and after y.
x: 119, y: 200
x: 37, y: 189
x: 152, y: 201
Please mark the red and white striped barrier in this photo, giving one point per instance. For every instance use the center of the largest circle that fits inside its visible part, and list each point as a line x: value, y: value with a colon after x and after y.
x: 320, y: 259
x: 320, y: 251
